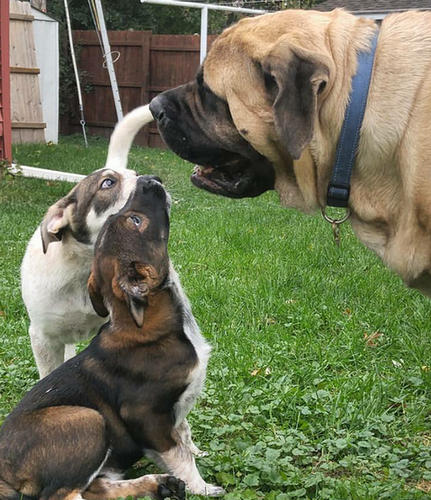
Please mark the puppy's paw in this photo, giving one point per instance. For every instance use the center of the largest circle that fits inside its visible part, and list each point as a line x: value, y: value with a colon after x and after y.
x: 171, y: 487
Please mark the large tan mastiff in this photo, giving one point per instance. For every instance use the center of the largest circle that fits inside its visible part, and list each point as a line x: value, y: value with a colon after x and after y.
x: 267, y: 106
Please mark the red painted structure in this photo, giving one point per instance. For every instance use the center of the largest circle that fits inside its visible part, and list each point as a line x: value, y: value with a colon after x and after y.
x: 5, y: 118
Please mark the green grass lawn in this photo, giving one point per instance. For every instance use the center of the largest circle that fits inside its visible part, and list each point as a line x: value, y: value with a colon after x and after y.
x: 319, y: 386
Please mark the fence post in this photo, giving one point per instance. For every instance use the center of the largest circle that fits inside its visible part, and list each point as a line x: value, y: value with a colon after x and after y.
x: 5, y: 115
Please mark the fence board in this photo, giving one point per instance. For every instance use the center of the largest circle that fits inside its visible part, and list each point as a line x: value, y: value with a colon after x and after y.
x: 174, y: 60
x: 132, y: 77
x: 26, y: 104
x: 148, y: 65
x: 5, y: 126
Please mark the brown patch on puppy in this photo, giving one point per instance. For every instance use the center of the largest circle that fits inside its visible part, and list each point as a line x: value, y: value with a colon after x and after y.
x: 148, y: 273
x: 63, y: 494
x: 8, y: 493
x: 75, y: 436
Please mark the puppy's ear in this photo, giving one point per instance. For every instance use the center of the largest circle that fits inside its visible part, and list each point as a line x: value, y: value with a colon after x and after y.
x: 293, y: 77
x: 96, y: 295
x: 137, y: 309
x: 136, y: 297
x: 140, y: 280
x: 55, y: 222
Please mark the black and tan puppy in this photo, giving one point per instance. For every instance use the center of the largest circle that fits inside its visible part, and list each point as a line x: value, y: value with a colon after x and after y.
x: 128, y: 393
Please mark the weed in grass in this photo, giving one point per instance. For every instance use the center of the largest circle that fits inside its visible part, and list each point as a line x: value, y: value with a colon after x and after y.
x: 319, y: 386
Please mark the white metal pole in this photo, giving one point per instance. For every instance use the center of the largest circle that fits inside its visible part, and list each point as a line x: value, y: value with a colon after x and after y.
x: 204, y: 16
x: 108, y: 59
x: 204, y: 33
x: 43, y: 173
x: 210, y: 6
x: 75, y: 69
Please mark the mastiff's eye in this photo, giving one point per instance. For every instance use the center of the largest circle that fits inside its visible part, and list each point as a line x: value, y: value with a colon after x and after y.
x: 135, y: 219
x: 107, y: 183
x: 321, y: 87
x: 269, y: 80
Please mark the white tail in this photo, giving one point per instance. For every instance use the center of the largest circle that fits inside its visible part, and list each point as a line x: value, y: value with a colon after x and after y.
x: 124, y: 134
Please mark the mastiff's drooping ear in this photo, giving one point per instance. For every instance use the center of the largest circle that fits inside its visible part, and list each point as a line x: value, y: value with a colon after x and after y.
x: 55, y: 222
x: 293, y: 78
x: 96, y: 295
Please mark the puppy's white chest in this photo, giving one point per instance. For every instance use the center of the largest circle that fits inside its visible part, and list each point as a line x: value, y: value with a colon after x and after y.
x: 196, y: 378
x: 189, y: 396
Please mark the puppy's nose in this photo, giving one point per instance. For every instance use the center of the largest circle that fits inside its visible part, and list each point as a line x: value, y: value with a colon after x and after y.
x: 153, y: 177
x: 150, y: 184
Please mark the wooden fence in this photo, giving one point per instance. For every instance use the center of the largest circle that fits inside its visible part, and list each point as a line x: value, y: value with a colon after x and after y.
x: 26, y: 104
x: 148, y: 64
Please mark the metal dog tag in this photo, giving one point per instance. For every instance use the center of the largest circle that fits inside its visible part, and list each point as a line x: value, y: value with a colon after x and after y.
x: 335, y: 223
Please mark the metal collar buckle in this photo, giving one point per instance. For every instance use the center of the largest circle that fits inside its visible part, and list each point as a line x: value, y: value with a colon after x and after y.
x: 336, y: 223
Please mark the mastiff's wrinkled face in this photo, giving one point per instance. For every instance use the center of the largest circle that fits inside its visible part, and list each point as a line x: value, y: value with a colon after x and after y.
x: 198, y: 126
x: 252, y: 106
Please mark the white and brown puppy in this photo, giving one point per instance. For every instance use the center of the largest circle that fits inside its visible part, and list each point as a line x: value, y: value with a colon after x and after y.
x: 58, y: 258
x: 266, y: 110
x: 128, y: 393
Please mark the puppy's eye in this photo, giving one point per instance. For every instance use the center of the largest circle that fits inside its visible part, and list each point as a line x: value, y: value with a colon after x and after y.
x: 107, y: 183
x: 135, y: 219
